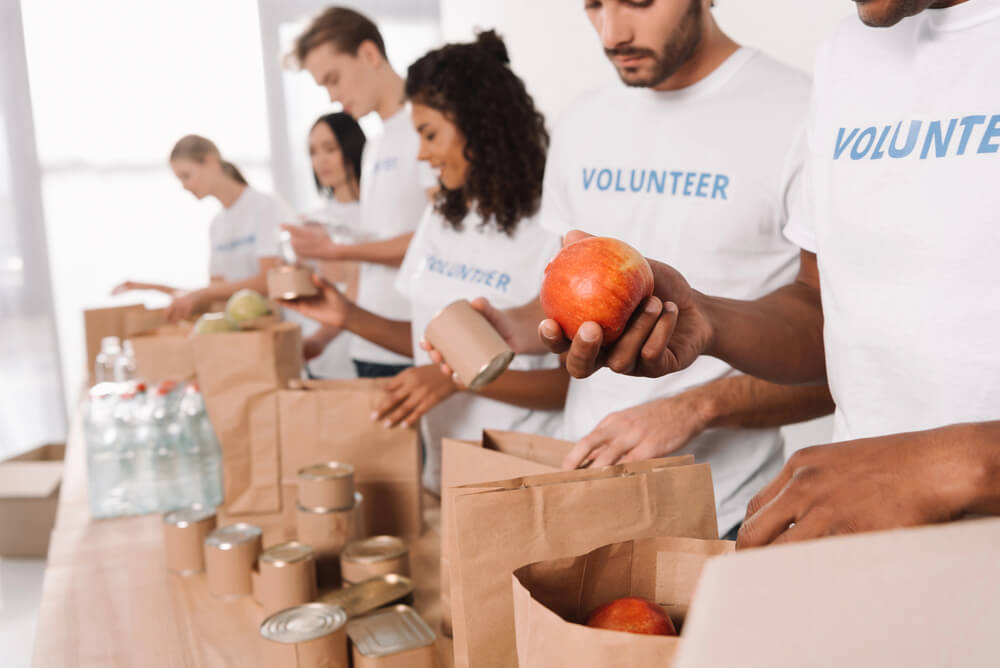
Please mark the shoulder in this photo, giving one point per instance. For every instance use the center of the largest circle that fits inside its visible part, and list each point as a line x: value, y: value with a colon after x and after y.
x: 765, y: 76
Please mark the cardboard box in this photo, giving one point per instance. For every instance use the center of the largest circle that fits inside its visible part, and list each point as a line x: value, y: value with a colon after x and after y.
x: 29, y: 494
x: 552, y: 600
x: 913, y: 597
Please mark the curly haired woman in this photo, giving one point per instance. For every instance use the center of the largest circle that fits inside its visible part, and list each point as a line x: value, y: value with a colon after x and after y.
x: 480, y: 131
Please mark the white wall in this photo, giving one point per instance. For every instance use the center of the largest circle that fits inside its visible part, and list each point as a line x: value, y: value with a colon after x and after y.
x: 555, y: 50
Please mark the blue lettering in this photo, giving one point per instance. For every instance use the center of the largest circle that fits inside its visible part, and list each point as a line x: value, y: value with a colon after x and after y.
x: 857, y: 153
x: 607, y: 184
x: 878, y: 152
x: 719, y: 187
x: 588, y: 179
x: 992, y: 131
x: 702, y: 184
x: 688, y: 183
x: 489, y: 278
x: 911, y: 140
x: 659, y: 184
x: 841, y: 144
x: 502, y: 282
x: 968, y: 123
x: 619, y: 188
x: 642, y: 179
x: 675, y: 175
x: 934, y: 134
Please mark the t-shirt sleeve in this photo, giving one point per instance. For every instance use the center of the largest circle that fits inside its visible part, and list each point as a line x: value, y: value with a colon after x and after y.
x: 798, y: 214
x: 555, y: 213
x: 416, y: 255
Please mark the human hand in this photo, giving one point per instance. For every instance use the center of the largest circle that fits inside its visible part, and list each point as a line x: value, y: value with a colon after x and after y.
x: 864, y: 485
x: 126, y: 286
x: 329, y: 308
x: 411, y: 394
x: 185, y: 305
x: 653, y: 429
x: 667, y: 332
x: 312, y: 242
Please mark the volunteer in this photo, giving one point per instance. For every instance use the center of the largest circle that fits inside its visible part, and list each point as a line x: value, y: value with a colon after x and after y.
x: 691, y: 158
x: 345, y: 53
x: 480, y: 130
x: 336, y: 142
x: 244, y: 234
x: 895, y: 300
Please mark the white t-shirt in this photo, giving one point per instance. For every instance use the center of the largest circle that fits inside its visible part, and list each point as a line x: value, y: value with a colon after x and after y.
x: 335, y: 361
x: 905, y: 225
x: 246, y: 232
x: 393, y: 198
x: 443, y: 265
x: 698, y: 178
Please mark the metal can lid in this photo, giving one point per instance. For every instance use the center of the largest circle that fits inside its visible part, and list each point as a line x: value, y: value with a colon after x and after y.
x: 286, y: 553
x: 371, y: 594
x: 303, y: 623
x: 227, y: 537
x: 390, y: 631
x: 326, y: 471
x: 185, y: 517
x: 358, y: 498
x: 491, y: 370
x: 375, y: 549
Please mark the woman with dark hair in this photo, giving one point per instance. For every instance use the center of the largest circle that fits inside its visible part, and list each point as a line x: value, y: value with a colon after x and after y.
x: 336, y: 143
x: 480, y: 130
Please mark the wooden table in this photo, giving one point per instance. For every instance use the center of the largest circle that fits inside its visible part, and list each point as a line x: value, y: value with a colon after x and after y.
x: 108, y: 600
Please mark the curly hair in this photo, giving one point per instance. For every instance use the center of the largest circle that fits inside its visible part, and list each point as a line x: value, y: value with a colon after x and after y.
x: 505, y: 136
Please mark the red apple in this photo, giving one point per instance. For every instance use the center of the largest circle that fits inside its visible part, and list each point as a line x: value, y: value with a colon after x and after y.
x: 596, y: 279
x: 633, y: 615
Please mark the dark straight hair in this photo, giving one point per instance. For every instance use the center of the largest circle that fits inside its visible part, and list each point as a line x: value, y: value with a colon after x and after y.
x: 350, y: 138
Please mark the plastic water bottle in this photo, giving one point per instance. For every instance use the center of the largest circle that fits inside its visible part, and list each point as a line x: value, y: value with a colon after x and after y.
x: 204, y: 451
x: 125, y: 364
x: 107, y: 359
x: 105, y: 483
x: 136, y: 447
x: 171, y: 467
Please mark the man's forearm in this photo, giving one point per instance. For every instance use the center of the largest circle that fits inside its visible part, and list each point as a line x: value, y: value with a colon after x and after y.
x: 226, y: 289
x: 980, y: 443
x: 542, y: 389
x: 748, y: 402
x: 389, y: 252
x: 778, y: 337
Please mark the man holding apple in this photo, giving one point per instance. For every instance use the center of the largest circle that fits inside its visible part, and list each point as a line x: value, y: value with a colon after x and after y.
x: 693, y: 158
x: 894, y: 302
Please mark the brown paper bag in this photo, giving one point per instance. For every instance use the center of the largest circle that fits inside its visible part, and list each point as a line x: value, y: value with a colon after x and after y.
x: 500, y: 455
x: 164, y: 353
x: 500, y: 526
x: 553, y: 598
x: 330, y: 420
x: 239, y: 374
x: 101, y: 322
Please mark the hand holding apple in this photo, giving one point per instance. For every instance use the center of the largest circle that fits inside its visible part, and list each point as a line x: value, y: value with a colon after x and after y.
x: 632, y: 615
x: 666, y: 333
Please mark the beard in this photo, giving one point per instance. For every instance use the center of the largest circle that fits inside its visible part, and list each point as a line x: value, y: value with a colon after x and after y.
x: 678, y: 49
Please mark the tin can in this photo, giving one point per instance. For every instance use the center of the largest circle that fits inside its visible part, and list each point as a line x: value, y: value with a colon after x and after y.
x: 184, y: 533
x: 371, y: 594
x: 230, y: 554
x: 313, y: 635
x: 285, y: 577
x: 327, y: 485
x: 378, y: 555
x: 289, y: 282
x: 394, y: 637
x: 327, y: 532
x: 469, y: 344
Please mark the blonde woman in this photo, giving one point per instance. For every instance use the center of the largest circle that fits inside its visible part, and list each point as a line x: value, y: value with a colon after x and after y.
x: 244, y: 234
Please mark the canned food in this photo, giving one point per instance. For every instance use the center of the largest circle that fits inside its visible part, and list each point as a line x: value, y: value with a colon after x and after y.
x: 394, y: 637
x: 327, y: 532
x: 288, y: 282
x: 285, y: 577
x: 230, y: 554
x: 469, y: 344
x: 372, y: 594
x: 327, y: 485
x: 378, y: 555
x: 313, y: 635
x: 184, y: 533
